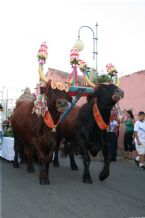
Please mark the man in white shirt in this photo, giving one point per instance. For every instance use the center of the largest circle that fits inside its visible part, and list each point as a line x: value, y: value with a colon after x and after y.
x: 139, y: 131
x: 1, y: 123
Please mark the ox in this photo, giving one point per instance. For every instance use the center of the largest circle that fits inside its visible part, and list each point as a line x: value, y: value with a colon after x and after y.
x: 86, y: 127
x: 32, y: 132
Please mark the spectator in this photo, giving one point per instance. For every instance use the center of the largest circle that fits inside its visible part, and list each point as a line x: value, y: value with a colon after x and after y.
x: 113, y: 136
x: 139, y: 131
x: 1, y: 124
x: 26, y: 96
x: 129, y: 145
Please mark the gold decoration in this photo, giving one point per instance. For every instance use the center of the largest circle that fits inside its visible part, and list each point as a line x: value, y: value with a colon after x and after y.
x: 60, y: 86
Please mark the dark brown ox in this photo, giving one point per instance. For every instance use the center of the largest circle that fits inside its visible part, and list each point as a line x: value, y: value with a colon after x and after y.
x: 81, y: 130
x: 31, y: 131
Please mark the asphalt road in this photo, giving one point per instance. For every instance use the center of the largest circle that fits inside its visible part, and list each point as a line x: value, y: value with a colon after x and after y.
x: 122, y: 195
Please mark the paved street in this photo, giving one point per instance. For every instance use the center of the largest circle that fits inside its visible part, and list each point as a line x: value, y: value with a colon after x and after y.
x: 122, y: 195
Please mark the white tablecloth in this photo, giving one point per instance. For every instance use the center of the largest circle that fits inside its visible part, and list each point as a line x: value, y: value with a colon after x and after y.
x: 7, y: 148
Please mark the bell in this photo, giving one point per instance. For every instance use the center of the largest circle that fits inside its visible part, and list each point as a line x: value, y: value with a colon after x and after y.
x: 53, y: 129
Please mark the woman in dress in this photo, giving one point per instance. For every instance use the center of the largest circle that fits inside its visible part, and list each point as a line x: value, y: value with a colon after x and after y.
x: 129, y: 146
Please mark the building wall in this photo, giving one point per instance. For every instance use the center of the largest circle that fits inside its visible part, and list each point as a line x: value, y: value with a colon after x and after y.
x: 134, y: 89
x: 134, y: 98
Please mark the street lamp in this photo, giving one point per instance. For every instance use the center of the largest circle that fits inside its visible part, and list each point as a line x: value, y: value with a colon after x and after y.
x: 80, y: 45
x: 7, y: 100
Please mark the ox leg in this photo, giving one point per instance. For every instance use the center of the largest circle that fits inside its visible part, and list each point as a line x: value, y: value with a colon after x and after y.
x: 44, y: 164
x: 56, y: 152
x: 55, y: 160
x: 44, y: 167
x: 106, y: 171
x: 43, y: 177
x: 86, y: 160
x: 73, y: 164
x: 16, y: 149
x: 29, y: 159
x: 86, y: 176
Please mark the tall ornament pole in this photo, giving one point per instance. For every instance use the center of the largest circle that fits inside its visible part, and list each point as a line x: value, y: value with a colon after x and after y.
x: 42, y: 56
x: 96, y: 52
x: 80, y: 45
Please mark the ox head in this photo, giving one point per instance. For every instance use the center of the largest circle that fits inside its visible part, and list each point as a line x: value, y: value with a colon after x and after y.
x: 57, y: 96
x: 107, y: 95
x: 56, y: 92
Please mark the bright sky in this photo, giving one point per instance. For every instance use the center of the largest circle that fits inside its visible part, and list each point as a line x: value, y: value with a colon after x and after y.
x: 25, y: 24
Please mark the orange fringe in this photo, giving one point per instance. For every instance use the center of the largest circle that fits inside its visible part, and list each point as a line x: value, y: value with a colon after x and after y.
x: 49, y: 121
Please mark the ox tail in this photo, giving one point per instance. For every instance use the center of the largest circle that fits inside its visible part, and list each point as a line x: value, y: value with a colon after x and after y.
x: 21, y: 153
x: 66, y: 148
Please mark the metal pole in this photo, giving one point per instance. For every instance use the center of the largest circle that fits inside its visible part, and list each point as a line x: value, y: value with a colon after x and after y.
x: 7, y: 105
x: 96, y: 50
x: 95, y: 38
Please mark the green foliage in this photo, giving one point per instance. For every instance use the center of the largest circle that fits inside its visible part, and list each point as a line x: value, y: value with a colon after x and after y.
x: 8, y: 133
x: 102, y: 79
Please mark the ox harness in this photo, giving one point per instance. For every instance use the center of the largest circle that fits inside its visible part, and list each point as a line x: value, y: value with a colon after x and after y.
x: 41, y: 109
x: 49, y: 121
x: 97, y: 116
x: 96, y: 113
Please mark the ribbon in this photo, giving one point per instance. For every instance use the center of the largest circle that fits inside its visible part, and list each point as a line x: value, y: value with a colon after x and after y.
x: 49, y: 121
x: 98, y: 118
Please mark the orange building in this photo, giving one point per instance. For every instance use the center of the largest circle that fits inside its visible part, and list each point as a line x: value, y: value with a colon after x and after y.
x: 134, y: 97
x: 134, y: 89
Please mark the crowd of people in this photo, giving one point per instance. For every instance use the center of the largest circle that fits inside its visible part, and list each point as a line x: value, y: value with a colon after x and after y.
x: 134, y: 137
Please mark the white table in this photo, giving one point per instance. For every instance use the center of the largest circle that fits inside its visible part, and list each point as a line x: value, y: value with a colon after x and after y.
x: 7, y: 148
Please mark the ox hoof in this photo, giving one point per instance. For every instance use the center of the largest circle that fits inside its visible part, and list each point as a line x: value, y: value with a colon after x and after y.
x: 44, y: 181
x: 16, y: 165
x: 87, y: 180
x: 56, y: 164
x: 103, y: 176
x: 31, y: 170
x: 74, y: 168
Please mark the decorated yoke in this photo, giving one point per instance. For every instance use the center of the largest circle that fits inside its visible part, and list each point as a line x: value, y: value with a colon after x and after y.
x: 71, y: 86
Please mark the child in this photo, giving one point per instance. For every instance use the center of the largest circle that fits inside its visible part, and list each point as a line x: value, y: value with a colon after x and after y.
x: 139, y: 131
x: 112, y: 136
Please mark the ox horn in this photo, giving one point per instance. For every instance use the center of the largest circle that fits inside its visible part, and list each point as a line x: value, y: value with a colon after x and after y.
x: 41, y: 74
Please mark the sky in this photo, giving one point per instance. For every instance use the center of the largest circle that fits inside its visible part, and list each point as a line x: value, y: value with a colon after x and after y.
x: 26, y: 24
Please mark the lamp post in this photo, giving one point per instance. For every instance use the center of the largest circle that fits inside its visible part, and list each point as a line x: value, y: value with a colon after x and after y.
x: 80, y: 45
x: 7, y: 103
